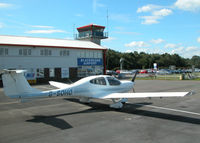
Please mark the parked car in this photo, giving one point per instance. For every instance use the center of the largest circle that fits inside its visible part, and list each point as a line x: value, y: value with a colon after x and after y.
x: 143, y: 71
x: 110, y: 72
x: 196, y: 70
x: 163, y: 71
x: 118, y: 71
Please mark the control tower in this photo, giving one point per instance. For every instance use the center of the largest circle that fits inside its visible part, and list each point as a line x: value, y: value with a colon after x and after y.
x: 92, y: 32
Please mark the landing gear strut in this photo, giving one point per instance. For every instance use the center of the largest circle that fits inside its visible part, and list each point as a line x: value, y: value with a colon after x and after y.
x: 119, y: 103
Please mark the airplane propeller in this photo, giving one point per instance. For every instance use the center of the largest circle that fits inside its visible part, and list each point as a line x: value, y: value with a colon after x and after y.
x: 133, y: 79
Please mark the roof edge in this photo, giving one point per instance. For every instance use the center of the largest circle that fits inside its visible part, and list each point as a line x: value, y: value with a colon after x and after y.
x: 52, y: 46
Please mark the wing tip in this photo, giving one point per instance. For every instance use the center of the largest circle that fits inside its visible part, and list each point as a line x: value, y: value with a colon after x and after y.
x: 190, y: 93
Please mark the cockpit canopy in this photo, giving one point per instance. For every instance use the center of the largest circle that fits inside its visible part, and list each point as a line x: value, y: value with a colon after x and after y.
x: 105, y: 81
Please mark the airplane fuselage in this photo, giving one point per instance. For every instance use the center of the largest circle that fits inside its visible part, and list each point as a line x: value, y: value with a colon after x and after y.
x: 95, y: 86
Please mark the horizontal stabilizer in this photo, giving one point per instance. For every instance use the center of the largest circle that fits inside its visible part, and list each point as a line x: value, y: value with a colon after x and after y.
x: 58, y: 84
x: 146, y: 95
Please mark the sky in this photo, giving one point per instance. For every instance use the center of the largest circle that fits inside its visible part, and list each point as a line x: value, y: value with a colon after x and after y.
x: 151, y: 26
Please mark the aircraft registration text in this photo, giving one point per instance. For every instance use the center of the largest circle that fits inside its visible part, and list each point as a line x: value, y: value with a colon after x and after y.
x: 64, y: 92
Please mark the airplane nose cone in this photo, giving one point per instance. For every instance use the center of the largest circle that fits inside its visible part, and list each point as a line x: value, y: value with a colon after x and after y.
x: 128, y: 85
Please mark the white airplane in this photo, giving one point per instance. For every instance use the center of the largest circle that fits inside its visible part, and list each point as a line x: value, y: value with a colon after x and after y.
x: 100, y: 87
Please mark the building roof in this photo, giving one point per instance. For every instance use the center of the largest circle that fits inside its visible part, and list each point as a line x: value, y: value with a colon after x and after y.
x: 88, y: 27
x: 48, y: 42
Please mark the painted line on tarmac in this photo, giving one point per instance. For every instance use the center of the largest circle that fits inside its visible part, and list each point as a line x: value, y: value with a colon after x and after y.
x: 9, y: 103
x: 170, y: 109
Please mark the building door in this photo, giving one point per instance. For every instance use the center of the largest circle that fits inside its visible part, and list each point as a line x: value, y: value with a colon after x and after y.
x: 46, y: 73
x: 73, y: 73
x: 58, y: 73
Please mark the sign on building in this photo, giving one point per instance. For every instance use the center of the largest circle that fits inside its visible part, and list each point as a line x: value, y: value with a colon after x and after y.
x: 89, y: 61
x: 65, y: 73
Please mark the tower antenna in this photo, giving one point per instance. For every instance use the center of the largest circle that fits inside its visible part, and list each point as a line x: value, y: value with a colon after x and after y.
x: 107, y: 22
x: 74, y: 31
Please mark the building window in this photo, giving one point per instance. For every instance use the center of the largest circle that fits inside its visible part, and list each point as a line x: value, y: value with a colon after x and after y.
x: 99, y: 55
x: 40, y: 73
x: 24, y: 52
x: 64, y: 53
x: 29, y: 51
x: 95, y: 54
x: 3, y: 51
x: 45, y: 52
x: 41, y: 52
x: 20, y: 52
x: 91, y: 54
x: 6, y: 51
x: 82, y: 54
x: 87, y: 54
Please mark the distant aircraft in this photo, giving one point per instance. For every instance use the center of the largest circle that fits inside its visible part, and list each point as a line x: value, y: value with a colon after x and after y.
x: 100, y: 87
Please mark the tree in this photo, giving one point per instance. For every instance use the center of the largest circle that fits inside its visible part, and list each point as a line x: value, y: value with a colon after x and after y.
x: 196, y: 61
x: 143, y: 60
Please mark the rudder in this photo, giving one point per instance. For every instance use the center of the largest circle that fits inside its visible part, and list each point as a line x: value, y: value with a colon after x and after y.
x: 15, y: 84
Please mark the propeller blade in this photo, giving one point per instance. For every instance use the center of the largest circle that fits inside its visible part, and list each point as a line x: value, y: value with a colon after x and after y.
x: 133, y: 79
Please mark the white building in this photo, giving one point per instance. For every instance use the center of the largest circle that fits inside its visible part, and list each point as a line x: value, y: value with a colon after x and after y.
x: 51, y: 59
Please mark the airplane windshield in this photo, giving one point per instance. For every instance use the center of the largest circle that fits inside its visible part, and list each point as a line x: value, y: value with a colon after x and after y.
x: 99, y: 81
x: 113, y: 81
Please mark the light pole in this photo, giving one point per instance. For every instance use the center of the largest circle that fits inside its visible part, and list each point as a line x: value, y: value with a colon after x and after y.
x: 121, y: 63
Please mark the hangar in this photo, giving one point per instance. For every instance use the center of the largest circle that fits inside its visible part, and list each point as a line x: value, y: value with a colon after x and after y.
x: 55, y: 59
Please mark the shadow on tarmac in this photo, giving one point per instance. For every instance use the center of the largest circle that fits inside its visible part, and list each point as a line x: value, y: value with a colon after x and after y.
x: 99, y: 107
x: 51, y: 120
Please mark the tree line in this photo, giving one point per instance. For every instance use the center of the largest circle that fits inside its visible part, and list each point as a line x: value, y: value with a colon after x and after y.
x: 142, y: 60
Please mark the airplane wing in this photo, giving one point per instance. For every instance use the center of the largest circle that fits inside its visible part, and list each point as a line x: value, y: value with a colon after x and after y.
x: 58, y: 84
x: 145, y: 95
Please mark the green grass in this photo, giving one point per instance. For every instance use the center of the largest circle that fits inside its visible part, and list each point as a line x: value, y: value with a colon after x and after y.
x: 169, y: 77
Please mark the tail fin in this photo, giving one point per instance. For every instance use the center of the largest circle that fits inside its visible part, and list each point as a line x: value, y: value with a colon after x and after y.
x: 15, y: 84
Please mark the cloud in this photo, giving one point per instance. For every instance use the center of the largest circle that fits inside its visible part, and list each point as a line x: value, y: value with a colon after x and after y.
x: 96, y: 4
x: 186, y: 52
x: 137, y: 44
x: 123, y: 30
x: 121, y: 17
x: 5, y: 5
x: 178, y: 50
x: 188, y: 5
x: 69, y: 38
x: 198, y: 39
x: 170, y: 45
x: 126, y: 33
x: 50, y: 31
x: 156, y: 13
x: 109, y: 39
x: 150, y: 20
x: 162, y: 12
x: 128, y: 51
x: 79, y: 15
x: 41, y: 26
x: 147, y: 8
x: 1, y: 25
x: 157, y: 41
x: 191, y: 48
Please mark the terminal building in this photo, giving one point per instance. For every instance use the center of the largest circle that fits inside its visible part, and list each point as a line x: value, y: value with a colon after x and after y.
x: 56, y: 59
